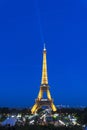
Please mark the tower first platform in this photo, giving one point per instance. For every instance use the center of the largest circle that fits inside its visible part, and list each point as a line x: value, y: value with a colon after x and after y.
x: 44, y: 88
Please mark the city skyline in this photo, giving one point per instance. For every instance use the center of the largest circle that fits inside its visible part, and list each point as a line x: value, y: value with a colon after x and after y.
x: 24, y: 28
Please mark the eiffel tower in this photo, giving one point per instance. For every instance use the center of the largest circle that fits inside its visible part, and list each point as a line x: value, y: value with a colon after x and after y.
x: 44, y: 88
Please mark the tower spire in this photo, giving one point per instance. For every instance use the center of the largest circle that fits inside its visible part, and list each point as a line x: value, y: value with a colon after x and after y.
x: 44, y: 68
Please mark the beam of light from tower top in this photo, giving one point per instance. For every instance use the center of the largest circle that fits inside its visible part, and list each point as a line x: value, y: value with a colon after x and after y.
x: 39, y: 21
x: 44, y: 47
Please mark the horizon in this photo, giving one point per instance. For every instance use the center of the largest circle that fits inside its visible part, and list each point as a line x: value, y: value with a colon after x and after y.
x: 58, y: 106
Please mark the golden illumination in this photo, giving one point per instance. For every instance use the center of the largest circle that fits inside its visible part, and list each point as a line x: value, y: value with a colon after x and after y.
x: 44, y: 69
x: 40, y: 101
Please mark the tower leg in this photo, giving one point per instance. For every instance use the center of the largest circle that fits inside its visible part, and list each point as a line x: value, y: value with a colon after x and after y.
x: 53, y: 107
x: 34, y: 108
x: 40, y: 94
x: 48, y: 95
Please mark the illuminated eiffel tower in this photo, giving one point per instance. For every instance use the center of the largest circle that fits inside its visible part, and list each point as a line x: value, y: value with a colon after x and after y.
x: 44, y: 88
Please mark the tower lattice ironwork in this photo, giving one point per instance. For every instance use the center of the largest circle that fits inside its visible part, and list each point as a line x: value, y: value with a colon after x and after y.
x: 44, y: 88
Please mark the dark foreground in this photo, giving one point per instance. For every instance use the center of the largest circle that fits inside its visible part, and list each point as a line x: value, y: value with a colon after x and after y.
x: 50, y: 127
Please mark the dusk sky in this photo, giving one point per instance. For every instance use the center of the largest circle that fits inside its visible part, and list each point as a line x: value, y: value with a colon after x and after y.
x: 24, y: 27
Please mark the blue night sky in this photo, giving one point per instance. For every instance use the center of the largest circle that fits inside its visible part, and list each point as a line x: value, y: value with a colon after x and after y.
x: 24, y: 27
